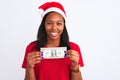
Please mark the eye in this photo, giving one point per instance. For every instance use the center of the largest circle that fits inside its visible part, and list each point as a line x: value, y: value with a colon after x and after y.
x: 49, y: 23
x: 59, y: 24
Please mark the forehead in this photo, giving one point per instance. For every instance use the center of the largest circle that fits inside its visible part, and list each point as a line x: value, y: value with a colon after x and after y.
x: 54, y: 15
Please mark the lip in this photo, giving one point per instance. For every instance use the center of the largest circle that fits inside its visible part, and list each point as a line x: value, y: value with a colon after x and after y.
x: 53, y: 34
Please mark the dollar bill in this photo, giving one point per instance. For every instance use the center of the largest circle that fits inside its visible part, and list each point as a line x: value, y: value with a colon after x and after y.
x: 55, y: 52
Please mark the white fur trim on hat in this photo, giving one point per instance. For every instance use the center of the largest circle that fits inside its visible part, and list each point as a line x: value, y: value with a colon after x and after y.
x: 54, y: 9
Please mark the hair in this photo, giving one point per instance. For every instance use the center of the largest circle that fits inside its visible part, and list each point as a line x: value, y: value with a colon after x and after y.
x: 42, y: 36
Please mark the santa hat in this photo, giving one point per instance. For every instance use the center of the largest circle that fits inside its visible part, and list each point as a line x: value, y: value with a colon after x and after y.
x: 52, y: 6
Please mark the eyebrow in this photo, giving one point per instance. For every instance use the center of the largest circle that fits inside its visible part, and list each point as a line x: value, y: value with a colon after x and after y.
x: 53, y: 21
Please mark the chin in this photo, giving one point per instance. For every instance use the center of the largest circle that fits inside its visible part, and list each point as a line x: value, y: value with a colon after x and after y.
x: 54, y: 38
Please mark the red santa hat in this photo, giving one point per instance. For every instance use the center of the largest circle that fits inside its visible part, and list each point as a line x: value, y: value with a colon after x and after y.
x: 52, y: 6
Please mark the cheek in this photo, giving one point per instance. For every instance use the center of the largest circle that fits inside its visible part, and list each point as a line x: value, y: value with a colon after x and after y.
x: 47, y: 27
x: 61, y: 30
x: 61, y: 27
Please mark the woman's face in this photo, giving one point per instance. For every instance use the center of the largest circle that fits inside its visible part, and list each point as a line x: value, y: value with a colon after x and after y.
x: 54, y: 26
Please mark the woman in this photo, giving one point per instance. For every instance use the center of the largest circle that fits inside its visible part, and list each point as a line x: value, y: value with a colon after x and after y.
x: 52, y: 33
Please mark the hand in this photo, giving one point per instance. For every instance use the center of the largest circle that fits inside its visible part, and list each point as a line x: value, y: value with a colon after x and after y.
x: 74, y: 57
x: 33, y: 58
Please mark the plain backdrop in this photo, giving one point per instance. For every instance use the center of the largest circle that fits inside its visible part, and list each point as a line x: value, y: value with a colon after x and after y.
x: 93, y: 24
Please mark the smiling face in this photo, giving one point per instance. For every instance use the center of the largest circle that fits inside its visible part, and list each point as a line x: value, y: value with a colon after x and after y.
x: 54, y: 26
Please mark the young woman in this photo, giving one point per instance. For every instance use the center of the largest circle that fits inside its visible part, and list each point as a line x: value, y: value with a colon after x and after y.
x: 52, y: 33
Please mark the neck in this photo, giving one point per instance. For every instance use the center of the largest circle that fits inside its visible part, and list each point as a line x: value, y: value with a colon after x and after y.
x: 53, y: 43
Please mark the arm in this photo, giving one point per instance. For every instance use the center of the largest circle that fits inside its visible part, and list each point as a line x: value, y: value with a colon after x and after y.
x: 29, y: 75
x: 75, y: 69
x: 76, y: 73
x: 32, y: 59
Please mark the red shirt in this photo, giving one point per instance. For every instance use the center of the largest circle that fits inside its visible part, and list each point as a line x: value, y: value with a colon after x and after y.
x: 53, y: 69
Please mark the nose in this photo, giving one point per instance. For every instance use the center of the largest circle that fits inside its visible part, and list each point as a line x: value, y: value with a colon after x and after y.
x: 54, y: 26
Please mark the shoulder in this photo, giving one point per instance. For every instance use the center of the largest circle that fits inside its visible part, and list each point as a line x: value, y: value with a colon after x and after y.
x: 31, y: 45
x: 74, y: 45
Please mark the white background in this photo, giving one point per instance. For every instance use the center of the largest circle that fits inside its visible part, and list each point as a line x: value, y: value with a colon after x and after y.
x: 93, y: 24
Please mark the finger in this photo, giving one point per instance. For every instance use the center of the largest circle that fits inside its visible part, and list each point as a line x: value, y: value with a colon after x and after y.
x: 38, y: 55
x: 73, y: 56
x: 29, y: 54
x: 73, y: 52
x: 35, y: 60
x: 74, y: 60
x: 35, y: 54
x: 38, y: 58
x: 68, y: 52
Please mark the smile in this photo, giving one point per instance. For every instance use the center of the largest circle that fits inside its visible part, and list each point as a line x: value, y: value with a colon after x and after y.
x: 53, y: 33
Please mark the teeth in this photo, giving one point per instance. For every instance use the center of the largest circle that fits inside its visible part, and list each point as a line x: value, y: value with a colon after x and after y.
x: 54, y: 33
